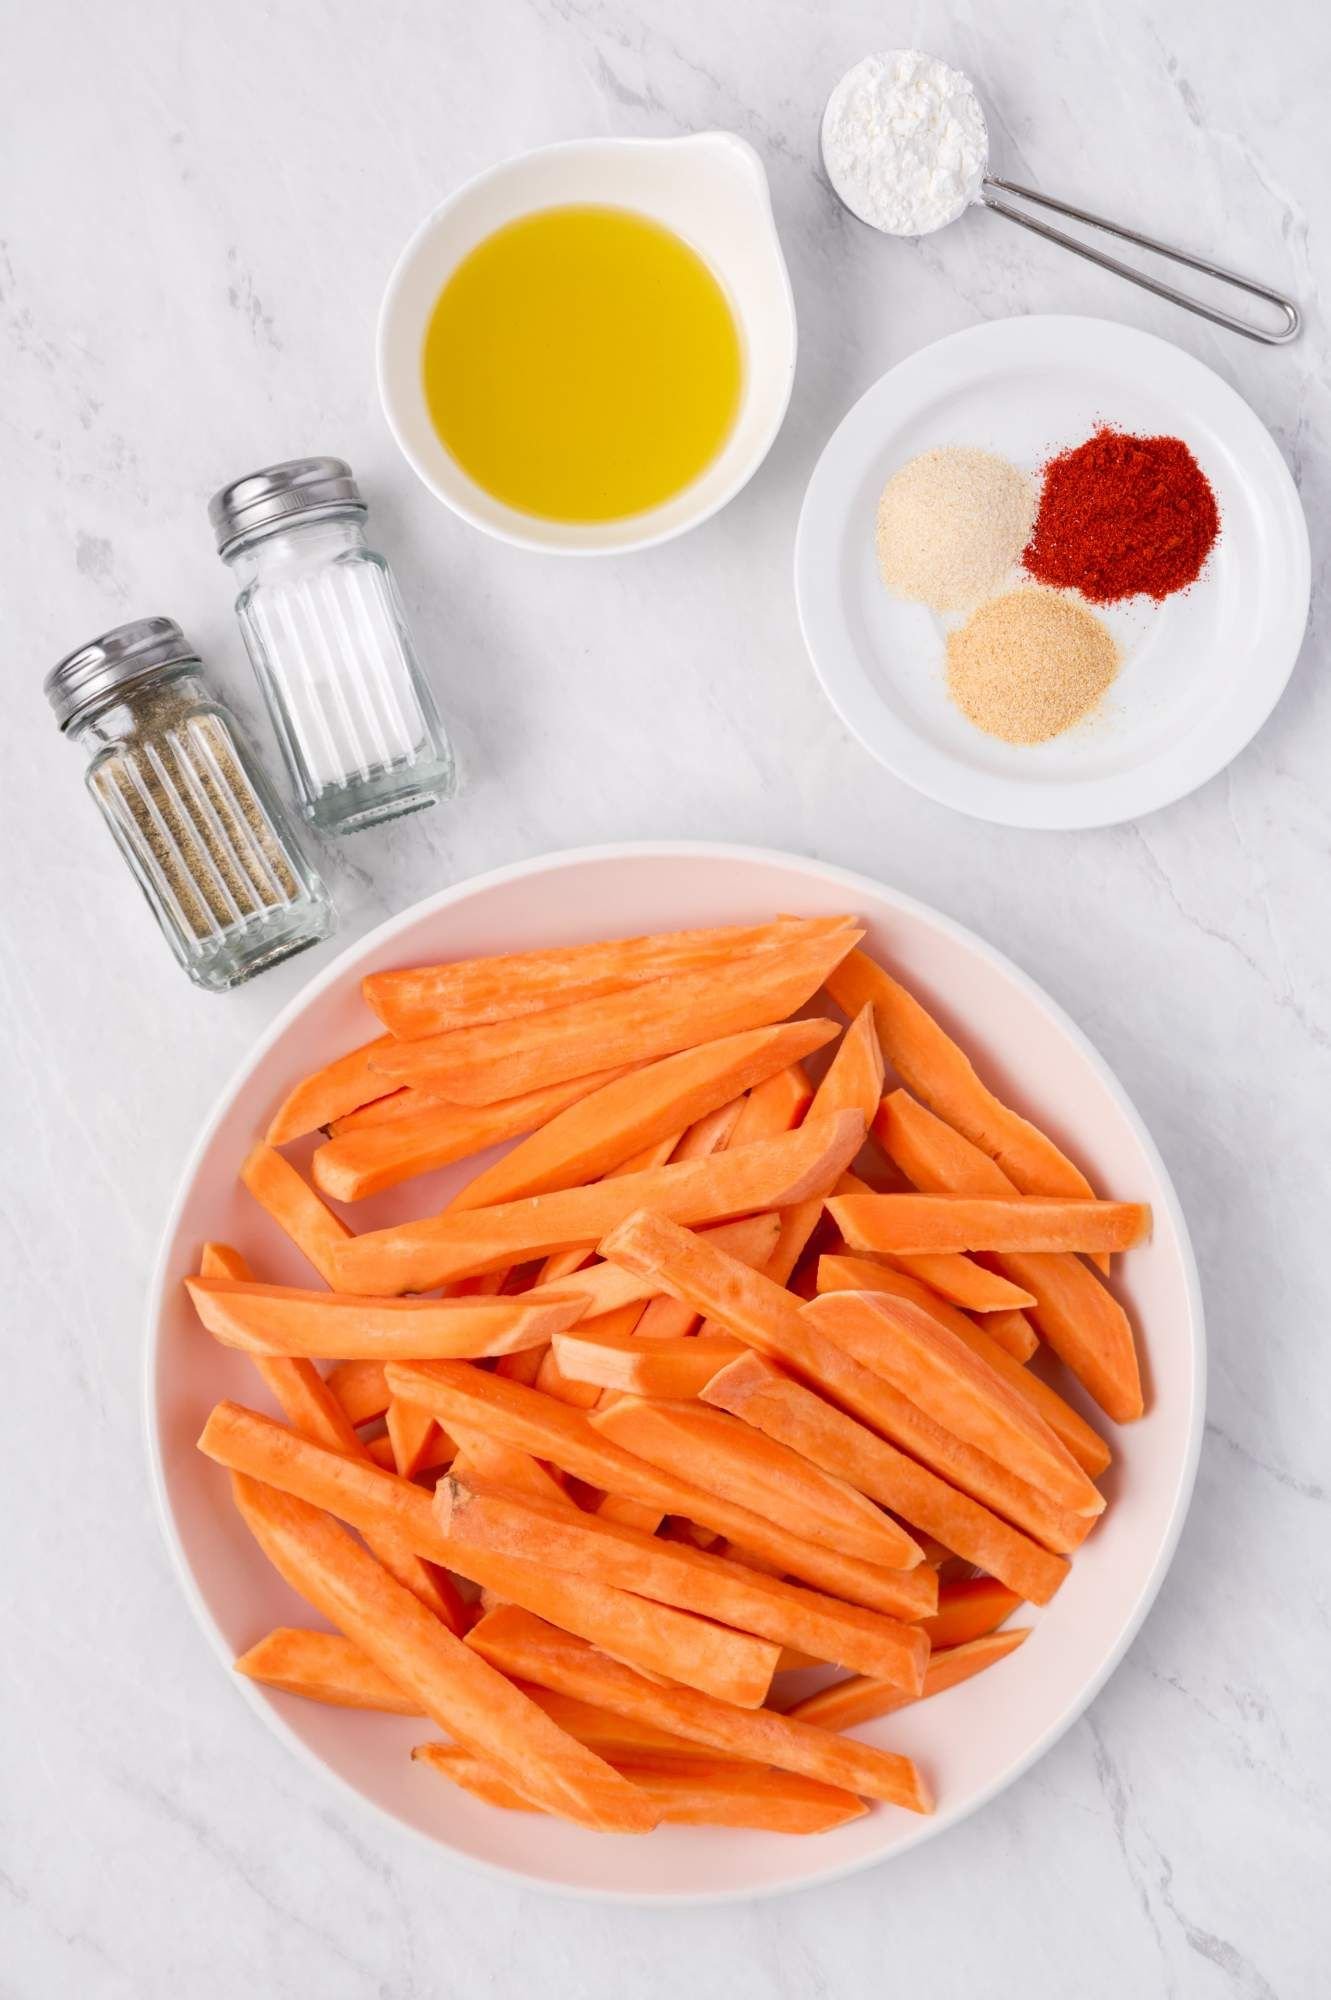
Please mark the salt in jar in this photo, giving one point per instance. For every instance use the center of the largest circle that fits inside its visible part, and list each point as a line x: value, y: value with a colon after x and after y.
x: 328, y: 640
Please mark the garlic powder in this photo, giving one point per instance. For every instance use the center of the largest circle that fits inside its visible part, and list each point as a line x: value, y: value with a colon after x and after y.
x: 904, y: 142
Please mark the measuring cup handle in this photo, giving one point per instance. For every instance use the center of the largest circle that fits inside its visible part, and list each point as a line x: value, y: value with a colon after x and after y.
x: 1286, y: 307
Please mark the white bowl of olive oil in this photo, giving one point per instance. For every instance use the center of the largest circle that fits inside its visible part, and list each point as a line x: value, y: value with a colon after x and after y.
x: 590, y: 348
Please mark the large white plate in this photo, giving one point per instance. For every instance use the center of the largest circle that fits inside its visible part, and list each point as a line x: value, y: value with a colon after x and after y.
x: 1201, y: 672
x: 973, y: 1740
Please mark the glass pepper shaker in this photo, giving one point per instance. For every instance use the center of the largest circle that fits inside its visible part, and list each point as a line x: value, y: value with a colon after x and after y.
x: 328, y: 640
x: 211, y: 847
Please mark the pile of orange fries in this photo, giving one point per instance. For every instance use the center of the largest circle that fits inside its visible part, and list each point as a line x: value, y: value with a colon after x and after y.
x: 714, y: 1376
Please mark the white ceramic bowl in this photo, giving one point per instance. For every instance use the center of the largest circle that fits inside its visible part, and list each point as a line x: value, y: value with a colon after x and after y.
x: 973, y: 1740
x: 711, y: 190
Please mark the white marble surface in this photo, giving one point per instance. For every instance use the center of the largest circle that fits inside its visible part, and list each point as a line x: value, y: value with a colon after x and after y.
x: 201, y: 208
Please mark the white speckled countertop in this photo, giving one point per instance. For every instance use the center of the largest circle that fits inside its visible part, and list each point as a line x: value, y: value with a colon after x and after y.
x: 202, y: 208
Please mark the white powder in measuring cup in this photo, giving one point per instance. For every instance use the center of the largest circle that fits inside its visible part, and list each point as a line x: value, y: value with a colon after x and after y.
x: 904, y: 142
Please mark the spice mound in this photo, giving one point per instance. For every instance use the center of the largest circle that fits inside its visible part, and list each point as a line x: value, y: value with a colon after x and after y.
x: 952, y: 525
x: 1027, y: 665
x: 1123, y: 516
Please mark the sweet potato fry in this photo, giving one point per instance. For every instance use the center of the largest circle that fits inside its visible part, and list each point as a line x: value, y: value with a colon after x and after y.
x: 764, y: 1316
x: 478, y: 1065
x: 374, y: 1157
x: 846, y: 1704
x: 943, y: 1375
x: 469, y: 1773
x: 959, y: 1280
x: 460, y: 1394
x: 360, y: 1388
x: 280, y: 1319
x: 654, y: 1636
x: 778, y: 1105
x: 969, y: 1609
x: 611, y: 1736
x: 633, y: 1366
x: 432, y: 999
x: 931, y: 1066
x: 639, y: 1514
x: 964, y: 1283
x: 854, y: 1082
x: 1079, y: 1318
x: 617, y: 1120
x: 920, y: 1224
x: 522, y: 1645
x: 761, y: 1395
x: 323, y: 1666
x: 295, y: 1208
x: 419, y: 1255
x: 481, y: 1710
x: 858, y: 1274
x: 1013, y: 1332
x: 312, y: 1407
x: 843, y: 1272
x: 687, y: 1791
x: 329, y: 1093
x: 715, y: 1451
x: 666, y: 1318
x: 854, y: 1323
x: 413, y: 1436
x: 503, y: 1465
x: 682, y: 1575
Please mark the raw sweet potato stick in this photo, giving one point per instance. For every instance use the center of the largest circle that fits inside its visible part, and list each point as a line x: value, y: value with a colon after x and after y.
x: 341, y: 1086
x: 480, y: 1709
x: 766, y: 1317
x: 1078, y: 1316
x: 523, y: 1645
x: 280, y: 1319
x: 375, y: 1157
x: 931, y: 1065
x: 675, y: 1573
x: 295, y: 1208
x: 419, y: 1255
x: 858, y: 1274
x: 459, y: 1393
x: 651, y: 1104
x: 847, y: 1704
x: 943, y: 1375
x: 917, y: 1224
x: 653, y: 1636
x: 312, y: 1407
x: 433, y: 999
x: 482, y: 1064
x: 687, y: 1791
x: 761, y: 1395
x: 712, y: 1450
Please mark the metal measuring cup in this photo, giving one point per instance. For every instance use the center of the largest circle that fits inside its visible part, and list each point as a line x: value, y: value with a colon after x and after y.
x: 991, y: 188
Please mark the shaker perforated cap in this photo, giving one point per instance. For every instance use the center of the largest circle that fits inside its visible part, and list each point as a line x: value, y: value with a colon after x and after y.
x: 270, y: 498
x: 125, y: 653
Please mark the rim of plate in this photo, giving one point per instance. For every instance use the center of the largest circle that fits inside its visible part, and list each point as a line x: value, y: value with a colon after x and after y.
x: 1070, y: 804
x: 638, y: 531
x: 568, y: 858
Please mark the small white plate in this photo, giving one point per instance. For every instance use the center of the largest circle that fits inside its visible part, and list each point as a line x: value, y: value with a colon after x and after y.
x: 1201, y: 672
x: 973, y: 1740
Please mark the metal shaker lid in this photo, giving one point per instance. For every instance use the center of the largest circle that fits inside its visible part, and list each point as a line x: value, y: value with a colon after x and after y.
x: 270, y: 498
x: 125, y: 653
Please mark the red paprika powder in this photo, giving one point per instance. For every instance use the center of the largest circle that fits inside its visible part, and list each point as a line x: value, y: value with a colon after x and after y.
x: 1123, y: 516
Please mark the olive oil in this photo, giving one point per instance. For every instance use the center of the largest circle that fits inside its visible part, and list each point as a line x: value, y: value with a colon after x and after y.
x: 583, y: 364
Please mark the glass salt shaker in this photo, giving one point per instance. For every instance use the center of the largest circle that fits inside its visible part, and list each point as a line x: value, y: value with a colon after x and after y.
x: 328, y: 640
x: 209, y: 843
